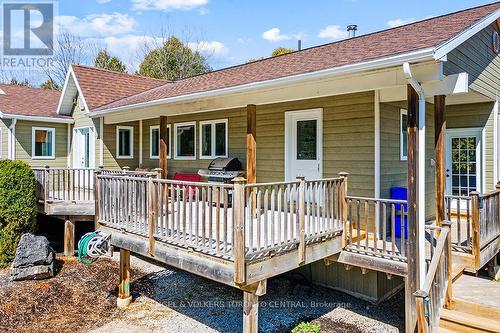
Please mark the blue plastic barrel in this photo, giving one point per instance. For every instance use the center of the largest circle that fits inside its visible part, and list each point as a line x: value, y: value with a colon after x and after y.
x: 400, y: 193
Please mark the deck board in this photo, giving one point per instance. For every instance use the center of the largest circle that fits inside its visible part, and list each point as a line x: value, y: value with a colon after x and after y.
x: 477, y: 290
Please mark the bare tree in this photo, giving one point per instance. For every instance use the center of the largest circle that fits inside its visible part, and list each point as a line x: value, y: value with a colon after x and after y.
x: 70, y: 49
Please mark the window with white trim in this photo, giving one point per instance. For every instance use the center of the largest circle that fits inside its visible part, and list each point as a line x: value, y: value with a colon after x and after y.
x: 43, y: 140
x: 125, y: 142
x: 213, y: 139
x: 403, y: 144
x: 185, y: 141
x: 154, y: 142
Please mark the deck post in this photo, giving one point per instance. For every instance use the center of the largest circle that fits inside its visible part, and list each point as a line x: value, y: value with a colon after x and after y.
x: 343, y: 206
x: 302, y: 219
x: 152, y: 217
x: 413, y: 254
x: 124, y: 298
x: 250, y: 312
x: 239, y: 230
x: 46, y: 187
x: 449, y: 289
x: 251, y: 155
x: 476, y: 244
x: 96, y: 198
x: 439, y: 146
x: 163, y: 147
x: 69, y: 236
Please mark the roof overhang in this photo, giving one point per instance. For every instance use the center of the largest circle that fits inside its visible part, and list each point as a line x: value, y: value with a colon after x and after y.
x: 375, y: 64
x: 70, y: 89
x: 35, y: 118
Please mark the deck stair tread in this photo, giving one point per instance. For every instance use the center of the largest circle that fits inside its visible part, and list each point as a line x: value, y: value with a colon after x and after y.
x: 456, y: 271
x: 467, y: 322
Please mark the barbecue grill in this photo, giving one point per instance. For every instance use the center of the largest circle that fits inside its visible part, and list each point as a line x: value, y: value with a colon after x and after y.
x: 222, y: 170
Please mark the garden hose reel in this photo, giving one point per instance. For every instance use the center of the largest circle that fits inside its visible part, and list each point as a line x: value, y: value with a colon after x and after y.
x: 92, y: 246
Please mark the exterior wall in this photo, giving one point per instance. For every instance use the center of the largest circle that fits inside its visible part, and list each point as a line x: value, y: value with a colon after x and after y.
x: 476, y: 57
x: 348, y: 139
x: 477, y: 115
x: 4, y: 141
x: 392, y: 169
x: 24, y: 144
x: 81, y: 121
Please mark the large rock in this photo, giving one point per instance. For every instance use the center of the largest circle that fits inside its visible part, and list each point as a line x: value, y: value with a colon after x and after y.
x: 34, y: 259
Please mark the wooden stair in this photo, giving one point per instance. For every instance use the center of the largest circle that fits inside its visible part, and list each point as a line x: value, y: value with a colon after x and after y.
x: 474, y: 309
x: 457, y: 270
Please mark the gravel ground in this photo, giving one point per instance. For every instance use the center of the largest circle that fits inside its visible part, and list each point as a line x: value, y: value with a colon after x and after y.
x: 170, y: 300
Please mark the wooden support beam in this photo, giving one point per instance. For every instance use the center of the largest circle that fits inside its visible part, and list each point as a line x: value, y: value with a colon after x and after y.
x: 69, y: 236
x: 439, y: 147
x: 251, y: 144
x: 124, y: 298
x: 476, y: 242
x: 239, y: 230
x: 163, y: 147
x: 250, y: 312
x: 96, y: 199
x: 412, y: 280
x: 343, y: 207
x: 449, y: 265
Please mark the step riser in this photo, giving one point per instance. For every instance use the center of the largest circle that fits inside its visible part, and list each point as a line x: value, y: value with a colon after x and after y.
x: 459, y: 327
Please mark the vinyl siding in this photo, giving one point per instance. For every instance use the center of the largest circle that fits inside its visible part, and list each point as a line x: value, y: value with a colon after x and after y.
x: 81, y: 121
x: 4, y: 141
x: 394, y: 171
x: 476, y: 57
x: 24, y: 144
x: 348, y: 139
x: 477, y: 115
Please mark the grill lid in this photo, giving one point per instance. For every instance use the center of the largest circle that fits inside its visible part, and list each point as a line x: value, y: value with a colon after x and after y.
x: 225, y: 164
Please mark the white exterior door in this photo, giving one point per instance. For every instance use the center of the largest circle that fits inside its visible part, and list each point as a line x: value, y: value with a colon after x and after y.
x: 84, y: 154
x: 304, y: 144
x: 463, y: 161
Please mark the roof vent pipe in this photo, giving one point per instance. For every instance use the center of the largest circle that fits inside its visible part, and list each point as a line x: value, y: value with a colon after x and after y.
x: 351, y: 29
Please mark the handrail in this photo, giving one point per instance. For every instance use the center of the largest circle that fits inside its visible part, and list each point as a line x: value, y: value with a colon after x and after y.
x: 431, y: 272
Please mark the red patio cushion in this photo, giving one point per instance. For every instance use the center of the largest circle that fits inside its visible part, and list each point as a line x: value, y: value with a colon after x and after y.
x: 187, y: 177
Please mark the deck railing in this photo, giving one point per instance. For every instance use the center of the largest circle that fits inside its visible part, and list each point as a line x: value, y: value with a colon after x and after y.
x: 436, y: 291
x: 73, y: 184
x: 489, y: 217
x: 284, y: 215
x: 366, y: 235
x: 458, y: 210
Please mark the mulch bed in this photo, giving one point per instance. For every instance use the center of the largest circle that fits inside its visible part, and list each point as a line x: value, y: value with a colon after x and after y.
x: 79, y: 298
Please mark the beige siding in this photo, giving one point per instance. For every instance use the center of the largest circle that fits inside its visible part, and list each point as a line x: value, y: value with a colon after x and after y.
x: 348, y: 139
x: 393, y: 170
x: 24, y: 144
x: 476, y: 57
x: 4, y: 143
x: 477, y: 115
x: 82, y: 120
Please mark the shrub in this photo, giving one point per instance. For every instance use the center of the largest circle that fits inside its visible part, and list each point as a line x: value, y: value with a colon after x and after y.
x: 304, y: 327
x: 18, y: 206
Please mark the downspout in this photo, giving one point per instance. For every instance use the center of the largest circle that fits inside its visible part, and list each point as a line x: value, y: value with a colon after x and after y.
x: 421, y: 168
x: 12, y: 140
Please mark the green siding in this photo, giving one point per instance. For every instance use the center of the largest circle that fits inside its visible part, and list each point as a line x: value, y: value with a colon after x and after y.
x: 476, y: 57
x: 348, y: 139
x: 24, y: 144
x: 394, y: 171
x: 477, y: 115
x: 82, y: 120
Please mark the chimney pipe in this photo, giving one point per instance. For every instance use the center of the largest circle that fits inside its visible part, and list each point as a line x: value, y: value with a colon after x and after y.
x: 299, y: 47
x: 351, y: 29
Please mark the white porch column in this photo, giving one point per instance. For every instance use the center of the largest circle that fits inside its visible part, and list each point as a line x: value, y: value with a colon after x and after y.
x: 11, y: 140
x: 101, y: 141
x: 140, y: 143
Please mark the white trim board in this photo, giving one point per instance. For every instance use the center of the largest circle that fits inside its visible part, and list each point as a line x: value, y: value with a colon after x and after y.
x: 212, y: 138
x: 54, y: 145
x: 131, y: 142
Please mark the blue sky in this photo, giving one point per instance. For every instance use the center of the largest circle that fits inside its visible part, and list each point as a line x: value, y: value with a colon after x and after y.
x: 231, y: 31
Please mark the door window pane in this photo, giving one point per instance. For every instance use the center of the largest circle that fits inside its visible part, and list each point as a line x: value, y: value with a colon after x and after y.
x: 220, y: 139
x: 403, y: 135
x: 87, y: 149
x: 463, y: 169
x: 206, y: 140
x: 307, y: 140
x: 43, y: 143
x: 185, y: 135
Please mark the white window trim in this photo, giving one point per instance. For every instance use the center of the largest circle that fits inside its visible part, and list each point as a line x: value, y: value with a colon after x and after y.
x: 125, y: 157
x: 48, y: 129
x: 212, y: 123
x: 187, y: 158
x: 169, y: 148
x: 401, y: 113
